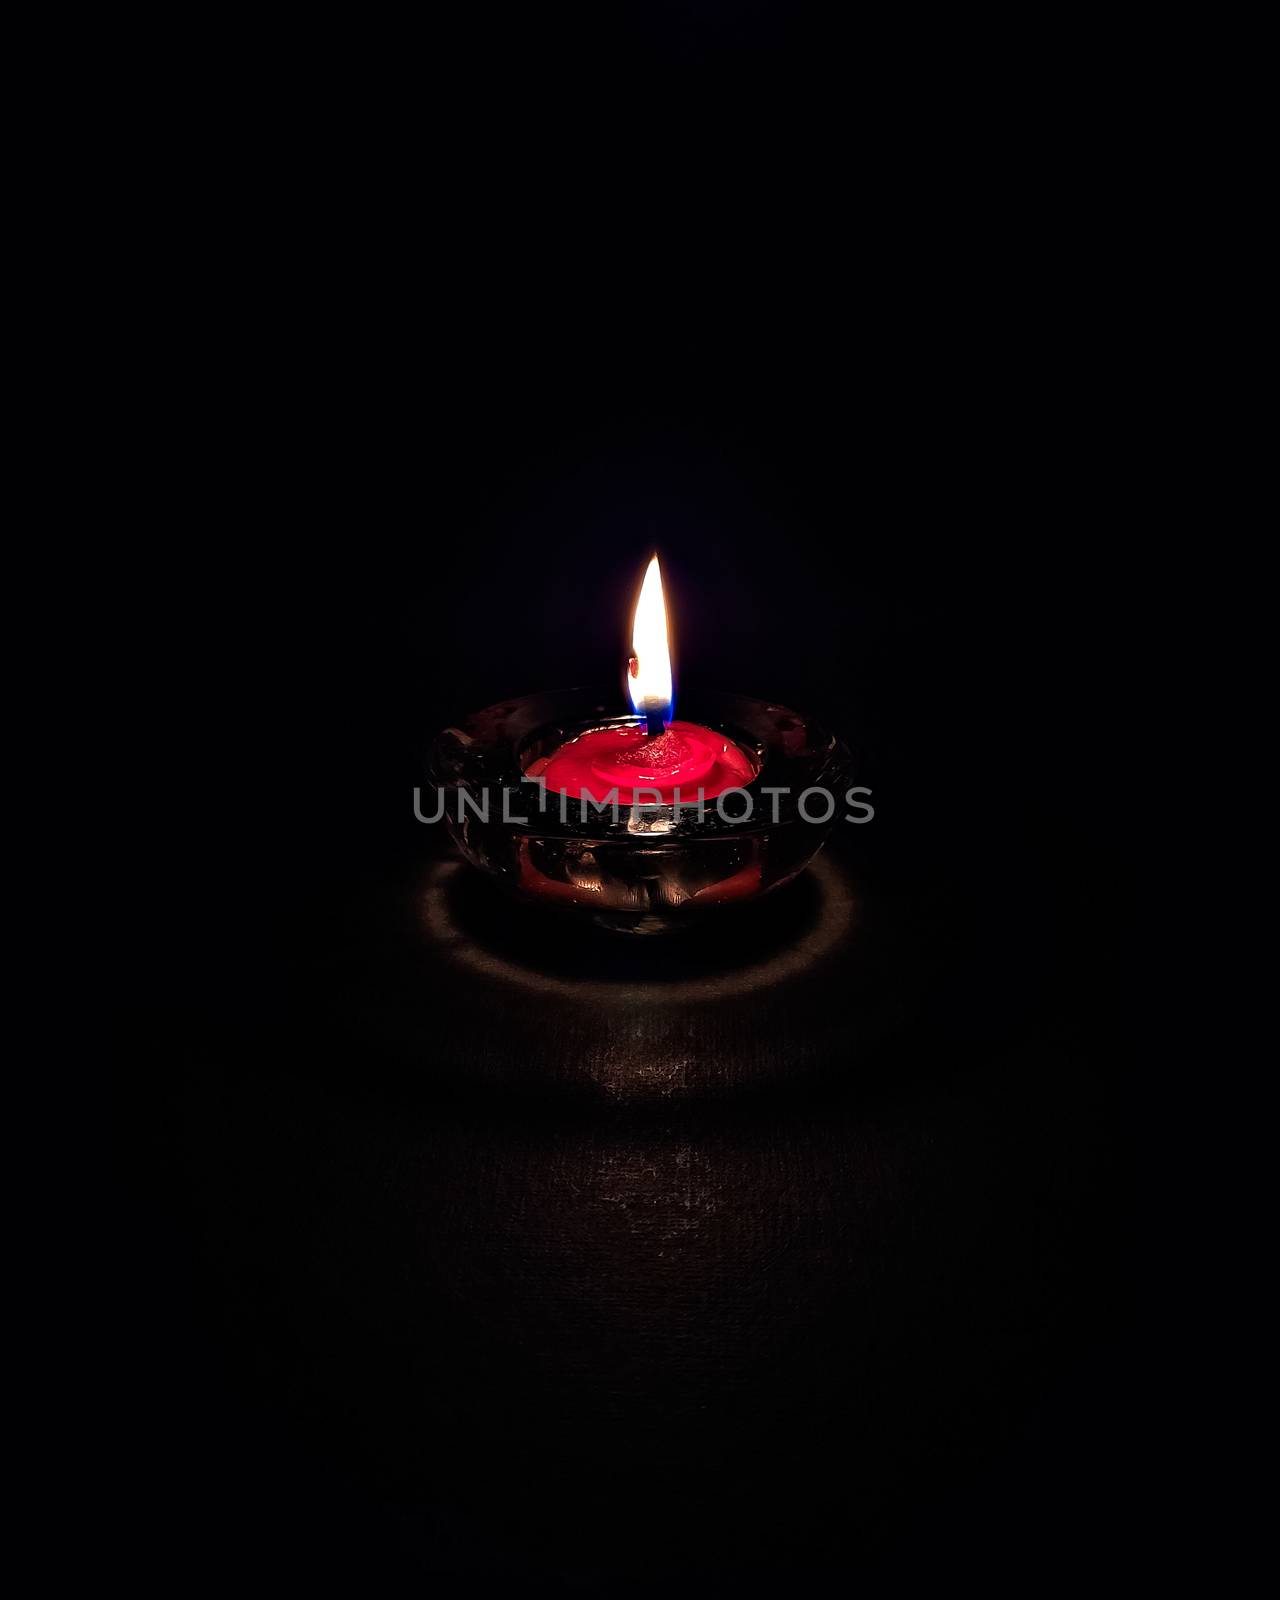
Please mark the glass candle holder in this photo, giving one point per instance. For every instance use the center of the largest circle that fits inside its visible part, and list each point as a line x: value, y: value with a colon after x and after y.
x: 638, y: 868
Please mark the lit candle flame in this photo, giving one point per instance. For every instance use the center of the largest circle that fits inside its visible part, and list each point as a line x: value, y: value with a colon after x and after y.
x: 649, y: 678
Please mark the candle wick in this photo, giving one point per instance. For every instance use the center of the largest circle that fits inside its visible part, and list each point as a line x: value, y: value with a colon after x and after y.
x: 653, y: 716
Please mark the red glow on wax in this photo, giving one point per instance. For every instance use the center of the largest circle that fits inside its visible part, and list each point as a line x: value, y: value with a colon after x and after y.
x: 693, y: 759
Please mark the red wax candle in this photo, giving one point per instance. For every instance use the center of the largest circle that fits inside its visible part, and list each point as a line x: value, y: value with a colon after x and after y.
x: 655, y: 762
x: 686, y: 757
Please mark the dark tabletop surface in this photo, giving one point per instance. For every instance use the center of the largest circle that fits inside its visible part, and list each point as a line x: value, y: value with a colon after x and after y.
x: 472, y: 1242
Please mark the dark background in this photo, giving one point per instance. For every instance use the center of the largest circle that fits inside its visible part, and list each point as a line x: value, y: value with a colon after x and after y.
x: 415, y: 1275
